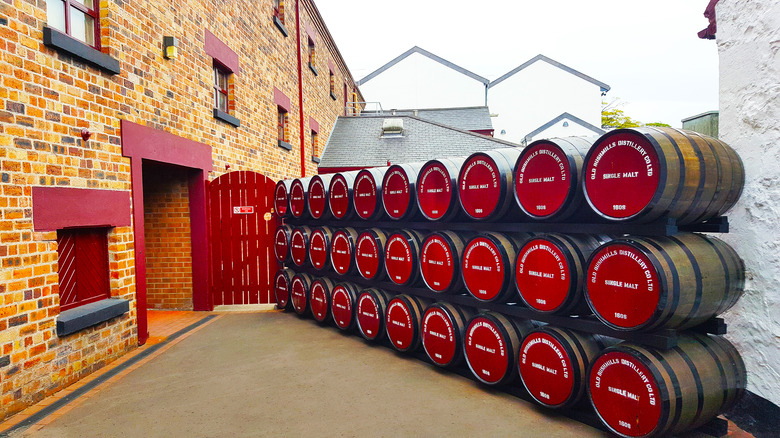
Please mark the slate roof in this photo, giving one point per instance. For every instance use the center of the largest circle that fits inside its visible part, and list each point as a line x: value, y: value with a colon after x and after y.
x: 358, y: 142
x: 473, y: 118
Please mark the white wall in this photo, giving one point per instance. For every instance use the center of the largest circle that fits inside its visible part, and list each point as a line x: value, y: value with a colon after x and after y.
x: 420, y: 82
x: 539, y: 93
x: 748, y: 40
x: 558, y: 130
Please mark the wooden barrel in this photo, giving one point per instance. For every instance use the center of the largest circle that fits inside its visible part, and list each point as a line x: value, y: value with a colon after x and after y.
x: 282, y: 198
x: 641, y: 392
x: 320, y: 242
x: 443, y: 332
x: 550, y: 272
x: 367, y: 193
x: 342, y: 305
x: 318, y: 196
x: 491, y: 345
x: 282, y: 281
x: 403, y: 320
x: 319, y: 298
x: 342, y: 253
x: 299, y: 197
x: 371, y: 308
x: 399, y: 192
x: 437, y: 189
x: 548, y: 177
x: 440, y: 257
x: 282, y: 237
x: 402, y: 253
x: 340, y: 195
x: 370, y: 254
x: 553, y: 365
x: 485, y: 184
x: 300, y: 290
x: 487, y: 265
x: 642, y: 174
x: 680, y: 281
x: 299, y: 245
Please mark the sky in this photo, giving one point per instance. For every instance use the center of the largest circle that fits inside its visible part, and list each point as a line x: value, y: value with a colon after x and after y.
x: 647, y: 51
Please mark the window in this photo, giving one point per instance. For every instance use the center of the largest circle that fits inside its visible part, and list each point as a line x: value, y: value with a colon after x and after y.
x: 83, y: 266
x: 312, y: 56
x: 79, y: 19
x: 221, y: 89
x: 279, y: 10
x: 282, y: 125
x: 332, y: 85
x: 314, y: 151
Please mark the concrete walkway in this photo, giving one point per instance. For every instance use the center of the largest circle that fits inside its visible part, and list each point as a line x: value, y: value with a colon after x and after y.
x: 274, y: 374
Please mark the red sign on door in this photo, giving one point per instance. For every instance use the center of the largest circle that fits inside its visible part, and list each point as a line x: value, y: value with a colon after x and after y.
x: 244, y: 210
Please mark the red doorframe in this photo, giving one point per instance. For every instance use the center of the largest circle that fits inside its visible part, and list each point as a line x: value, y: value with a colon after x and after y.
x: 141, y: 143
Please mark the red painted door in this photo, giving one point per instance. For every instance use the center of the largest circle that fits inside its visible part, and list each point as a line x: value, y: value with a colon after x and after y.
x: 241, y: 230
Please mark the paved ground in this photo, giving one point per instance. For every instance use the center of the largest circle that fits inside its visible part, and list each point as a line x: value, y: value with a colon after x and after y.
x: 274, y: 374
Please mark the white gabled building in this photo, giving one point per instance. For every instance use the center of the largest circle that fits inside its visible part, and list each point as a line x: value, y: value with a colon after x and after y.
x: 539, y: 98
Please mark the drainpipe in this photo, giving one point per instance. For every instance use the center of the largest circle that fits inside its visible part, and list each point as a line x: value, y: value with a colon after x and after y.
x: 300, y: 84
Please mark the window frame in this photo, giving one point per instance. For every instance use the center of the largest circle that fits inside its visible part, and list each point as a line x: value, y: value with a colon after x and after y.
x: 314, y: 138
x: 332, y: 85
x: 103, y: 289
x: 94, y: 13
x: 281, y: 124
x: 218, y: 71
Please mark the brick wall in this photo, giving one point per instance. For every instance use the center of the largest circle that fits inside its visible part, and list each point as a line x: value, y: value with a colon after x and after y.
x: 168, y: 246
x: 48, y: 97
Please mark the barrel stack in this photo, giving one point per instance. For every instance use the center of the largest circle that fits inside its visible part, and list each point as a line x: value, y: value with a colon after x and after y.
x: 569, y: 270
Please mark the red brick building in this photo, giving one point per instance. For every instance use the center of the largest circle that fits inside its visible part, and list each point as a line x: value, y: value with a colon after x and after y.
x: 114, y: 115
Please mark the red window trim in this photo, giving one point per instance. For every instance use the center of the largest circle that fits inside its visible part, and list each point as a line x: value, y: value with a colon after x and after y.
x: 94, y: 13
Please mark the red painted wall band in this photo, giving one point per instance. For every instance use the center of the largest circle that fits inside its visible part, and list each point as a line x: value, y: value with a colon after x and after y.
x: 221, y: 53
x: 55, y: 208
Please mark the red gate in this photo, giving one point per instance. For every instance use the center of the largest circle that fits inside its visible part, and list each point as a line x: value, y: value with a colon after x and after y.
x: 240, y: 237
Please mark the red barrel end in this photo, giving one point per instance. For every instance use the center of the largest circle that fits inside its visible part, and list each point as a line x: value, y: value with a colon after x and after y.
x: 622, y: 287
x: 625, y: 394
x: 622, y: 174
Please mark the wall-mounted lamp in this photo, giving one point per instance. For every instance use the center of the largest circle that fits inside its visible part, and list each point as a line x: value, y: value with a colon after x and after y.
x: 565, y: 124
x: 170, y: 47
x: 85, y: 134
